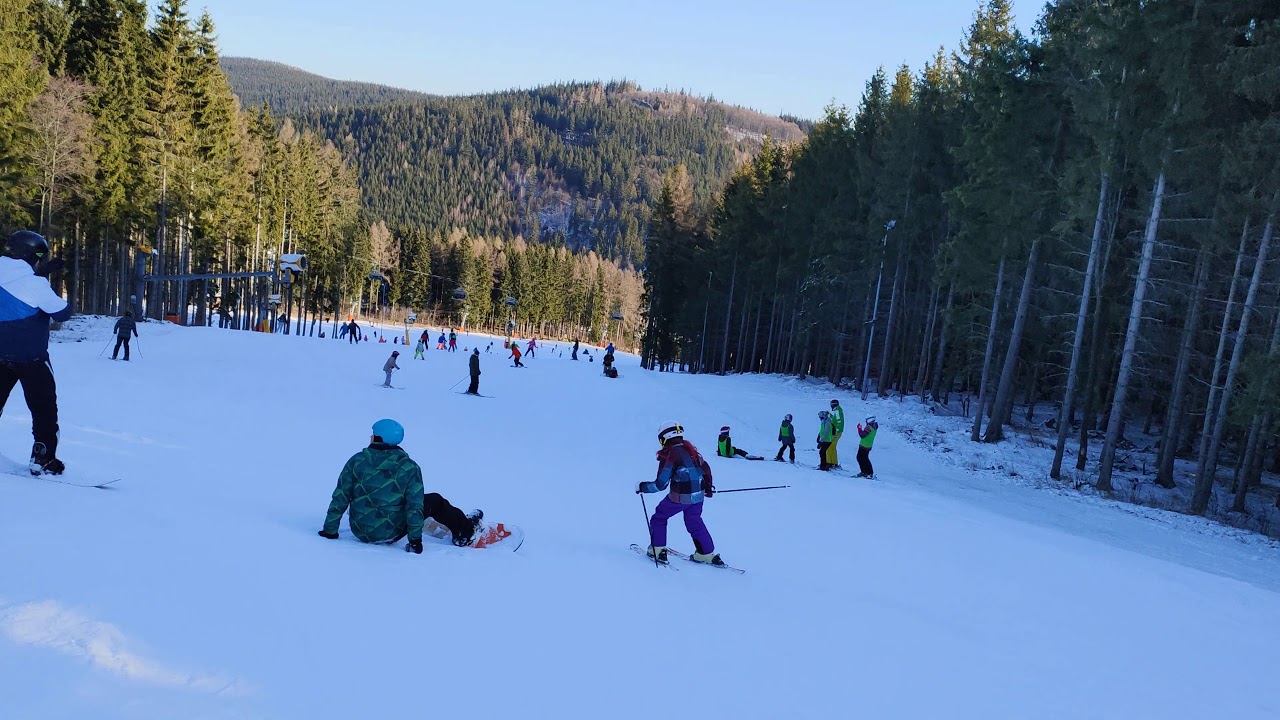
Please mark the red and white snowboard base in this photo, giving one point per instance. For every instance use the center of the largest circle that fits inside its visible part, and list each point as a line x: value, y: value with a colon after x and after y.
x: 494, y: 535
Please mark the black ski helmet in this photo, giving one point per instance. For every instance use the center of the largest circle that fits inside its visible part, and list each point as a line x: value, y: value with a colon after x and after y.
x: 26, y: 245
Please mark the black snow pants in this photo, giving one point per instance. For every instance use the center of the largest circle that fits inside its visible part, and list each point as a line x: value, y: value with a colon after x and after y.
x: 786, y: 446
x: 121, y: 340
x: 474, y: 387
x: 864, y: 461
x: 822, y: 455
x: 437, y: 508
x: 41, y: 393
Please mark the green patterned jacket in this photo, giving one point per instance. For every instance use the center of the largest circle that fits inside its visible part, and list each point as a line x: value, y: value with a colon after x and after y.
x: 383, y: 488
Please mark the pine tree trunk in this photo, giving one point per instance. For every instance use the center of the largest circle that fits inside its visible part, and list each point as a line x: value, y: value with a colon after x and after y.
x: 1116, y: 422
x: 990, y: 351
x: 1211, y: 403
x: 728, y: 316
x: 922, y: 369
x: 1255, y: 431
x: 1205, y: 473
x: 1082, y: 314
x: 1004, y: 394
x: 943, y: 336
x: 884, y: 377
x: 1177, y: 398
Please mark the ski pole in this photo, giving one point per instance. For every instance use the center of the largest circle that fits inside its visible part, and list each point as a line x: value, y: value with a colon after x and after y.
x: 104, y: 347
x: 771, y: 487
x: 459, y: 382
x: 139, y: 341
x: 649, y: 527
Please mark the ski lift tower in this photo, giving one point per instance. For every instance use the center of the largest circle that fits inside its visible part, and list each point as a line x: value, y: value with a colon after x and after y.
x: 290, y: 270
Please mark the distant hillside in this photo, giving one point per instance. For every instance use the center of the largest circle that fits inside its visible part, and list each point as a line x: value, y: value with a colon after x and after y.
x: 290, y: 90
x: 578, y: 163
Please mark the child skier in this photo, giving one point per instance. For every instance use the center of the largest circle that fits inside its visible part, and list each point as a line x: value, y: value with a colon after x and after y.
x: 390, y: 366
x: 420, y: 349
x: 837, y: 424
x: 515, y: 354
x: 787, y: 436
x: 686, y: 473
x: 453, y: 341
x: 826, y: 431
x: 533, y: 345
x: 725, y: 448
x: 868, y: 438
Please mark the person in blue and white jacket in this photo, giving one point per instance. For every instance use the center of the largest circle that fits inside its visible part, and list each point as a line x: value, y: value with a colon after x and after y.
x: 27, y: 304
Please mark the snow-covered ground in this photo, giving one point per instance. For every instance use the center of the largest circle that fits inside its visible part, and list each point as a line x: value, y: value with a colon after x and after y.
x: 197, y: 587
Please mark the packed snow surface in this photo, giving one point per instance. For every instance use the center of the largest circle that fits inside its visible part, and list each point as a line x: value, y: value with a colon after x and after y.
x: 198, y: 588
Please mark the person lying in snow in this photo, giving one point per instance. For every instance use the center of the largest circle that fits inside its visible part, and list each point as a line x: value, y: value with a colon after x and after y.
x: 382, y: 487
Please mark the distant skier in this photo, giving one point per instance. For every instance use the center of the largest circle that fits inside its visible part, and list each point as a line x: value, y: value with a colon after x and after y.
x: 473, y: 366
x: 440, y: 344
x: 826, y: 431
x: 575, y: 350
x: 342, y: 330
x: 609, y: 350
x: 353, y: 336
x: 837, y: 424
x: 453, y: 341
x: 608, y: 361
x: 425, y: 337
x: 419, y: 349
x: 382, y: 487
x: 124, y: 326
x: 868, y: 438
x: 27, y: 305
x: 489, y: 348
x: 682, y: 469
x: 515, y: 354
x: 533, y: 345
x: 725, y: 448
x: 787, y: 436
x: 390, y: 366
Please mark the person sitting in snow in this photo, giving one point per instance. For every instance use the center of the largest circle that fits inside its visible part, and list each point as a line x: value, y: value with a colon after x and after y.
x: 725, y: 448
x: 868, y: 438
x: 686, y: 476
x: 382, y: 487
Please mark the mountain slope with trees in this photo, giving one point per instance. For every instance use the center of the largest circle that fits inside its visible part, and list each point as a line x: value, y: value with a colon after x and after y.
x: 577, y: 163
x: 290, y: 90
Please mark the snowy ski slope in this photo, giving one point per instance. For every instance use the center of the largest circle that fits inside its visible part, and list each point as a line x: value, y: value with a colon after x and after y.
x: 198, y: 588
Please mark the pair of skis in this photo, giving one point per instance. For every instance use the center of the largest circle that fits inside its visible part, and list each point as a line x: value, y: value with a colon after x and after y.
x: 645, y: 553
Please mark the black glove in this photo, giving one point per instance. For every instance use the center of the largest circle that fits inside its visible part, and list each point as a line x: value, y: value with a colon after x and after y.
x: 414, y: 546
x: 46, y: 269
x: 328, y: 535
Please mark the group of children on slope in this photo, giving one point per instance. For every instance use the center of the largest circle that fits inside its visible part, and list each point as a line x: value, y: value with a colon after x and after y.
x: 830, y: 428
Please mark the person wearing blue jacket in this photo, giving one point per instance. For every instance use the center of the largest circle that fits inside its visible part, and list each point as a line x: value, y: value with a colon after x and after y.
x: 27, y: 305
x: 686, y: 477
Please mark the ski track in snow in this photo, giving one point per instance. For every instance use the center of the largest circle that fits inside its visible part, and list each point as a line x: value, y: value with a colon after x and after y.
x: 935, y: 591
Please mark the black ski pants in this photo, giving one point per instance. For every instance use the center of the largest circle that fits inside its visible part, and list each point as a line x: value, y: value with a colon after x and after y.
x: 822, y: 455
x: 474, y: 387
x: 786, y: 446
x: 41, y: 393
x: 121, y: 340
x: 437, y: 508
x: 864, y: 460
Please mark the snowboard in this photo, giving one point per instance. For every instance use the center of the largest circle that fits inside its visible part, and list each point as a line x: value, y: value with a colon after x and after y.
x: 495, y: 535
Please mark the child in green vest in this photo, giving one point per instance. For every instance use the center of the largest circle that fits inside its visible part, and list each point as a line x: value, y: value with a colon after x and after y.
x: 725, y: 448
x: 826, y: 433
x: 787, y: 436
x: 868, y: 438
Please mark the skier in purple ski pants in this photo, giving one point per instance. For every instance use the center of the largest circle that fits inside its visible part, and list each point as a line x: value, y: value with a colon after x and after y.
x: 686, y: 477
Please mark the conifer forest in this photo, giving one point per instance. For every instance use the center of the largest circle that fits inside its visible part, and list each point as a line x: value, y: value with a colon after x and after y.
x: 1067, y: 233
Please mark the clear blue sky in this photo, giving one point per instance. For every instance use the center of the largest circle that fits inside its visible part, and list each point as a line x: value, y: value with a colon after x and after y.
x: 775, y: 56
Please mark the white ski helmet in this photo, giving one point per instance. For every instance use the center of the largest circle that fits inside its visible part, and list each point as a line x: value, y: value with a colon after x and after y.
x: 669, y: 430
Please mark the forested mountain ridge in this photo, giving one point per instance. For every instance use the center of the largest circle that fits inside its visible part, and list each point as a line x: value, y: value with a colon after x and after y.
x: 578, y: 162
x: 288, y: 89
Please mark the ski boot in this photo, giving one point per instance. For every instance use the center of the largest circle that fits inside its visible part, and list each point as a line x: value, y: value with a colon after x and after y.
x: 474, y: 519
x: 708, y: 558
x: 42, y: 464
x: 661, y: 553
